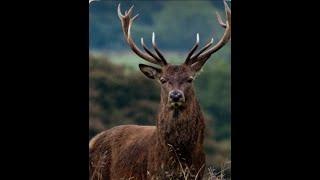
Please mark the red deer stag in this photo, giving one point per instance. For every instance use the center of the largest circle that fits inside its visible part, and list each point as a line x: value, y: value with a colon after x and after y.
x: 173, y: 149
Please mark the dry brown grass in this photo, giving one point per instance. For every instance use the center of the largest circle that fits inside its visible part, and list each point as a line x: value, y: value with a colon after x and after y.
x: 212, y: 174
x: 185, y: 172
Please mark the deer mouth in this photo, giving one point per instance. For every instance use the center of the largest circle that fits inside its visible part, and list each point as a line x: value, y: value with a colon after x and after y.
x: 175, y: 104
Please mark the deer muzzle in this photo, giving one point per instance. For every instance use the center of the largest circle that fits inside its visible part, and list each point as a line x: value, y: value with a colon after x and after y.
x: 176, y: 98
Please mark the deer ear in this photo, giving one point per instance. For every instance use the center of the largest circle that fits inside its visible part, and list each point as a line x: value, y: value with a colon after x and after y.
x: 150, y: 71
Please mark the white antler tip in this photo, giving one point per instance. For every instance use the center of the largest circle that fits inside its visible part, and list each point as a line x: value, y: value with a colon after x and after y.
x: 90, y: 1
x: 134, y: 17
x: 119, y: 11
x: 130, y: 10
x: 153, y: 38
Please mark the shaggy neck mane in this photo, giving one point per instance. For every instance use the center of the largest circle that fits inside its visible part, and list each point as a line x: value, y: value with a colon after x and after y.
x: 181, y: 129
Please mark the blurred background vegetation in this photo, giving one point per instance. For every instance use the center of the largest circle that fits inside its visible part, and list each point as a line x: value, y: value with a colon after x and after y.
x: 120, y: 94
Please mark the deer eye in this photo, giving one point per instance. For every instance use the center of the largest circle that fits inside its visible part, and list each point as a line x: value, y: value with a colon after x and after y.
x: 190, y: 79
x: 163, y: 80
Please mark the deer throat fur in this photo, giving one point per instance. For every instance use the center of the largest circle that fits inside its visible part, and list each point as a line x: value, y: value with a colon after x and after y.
x: 181, y: 128
x: 179, y: 142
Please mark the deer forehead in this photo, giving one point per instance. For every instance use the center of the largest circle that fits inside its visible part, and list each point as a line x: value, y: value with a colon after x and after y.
x: 177, y: 71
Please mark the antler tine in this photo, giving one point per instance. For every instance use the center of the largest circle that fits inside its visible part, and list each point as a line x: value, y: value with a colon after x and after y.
x: 119, y: 11
x: 126, y: 22
x: 220, y: 20
x: 148, y: 51
x: 129, y: 12
x: 162, y: 59
x: 193, y: 49
x: 194, y: 57
x: 227, y: 11
x: 226, y: 36
x: 228, y: 15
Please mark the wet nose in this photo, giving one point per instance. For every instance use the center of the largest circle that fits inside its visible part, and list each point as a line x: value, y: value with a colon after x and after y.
x: 175, y: 96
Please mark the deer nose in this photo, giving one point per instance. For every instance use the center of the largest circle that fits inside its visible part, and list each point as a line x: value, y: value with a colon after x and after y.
x: 175, y: 96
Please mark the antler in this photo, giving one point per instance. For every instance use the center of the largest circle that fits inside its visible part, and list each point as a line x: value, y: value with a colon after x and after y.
x: 204, y: 54
x: 126, y: 22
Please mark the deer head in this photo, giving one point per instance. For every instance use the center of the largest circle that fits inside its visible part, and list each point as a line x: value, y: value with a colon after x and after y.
x: 176, y: 80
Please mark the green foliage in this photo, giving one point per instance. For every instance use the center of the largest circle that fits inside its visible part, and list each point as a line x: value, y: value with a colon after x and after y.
x: 214, y: 93
x: 119, y: 98
x: 177, y: 23
x: 174, y: 22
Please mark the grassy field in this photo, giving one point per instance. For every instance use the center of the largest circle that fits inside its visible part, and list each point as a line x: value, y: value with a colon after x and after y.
x: 131, y: 61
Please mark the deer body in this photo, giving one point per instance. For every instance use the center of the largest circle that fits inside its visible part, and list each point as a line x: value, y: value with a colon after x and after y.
x: 173, y: 149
